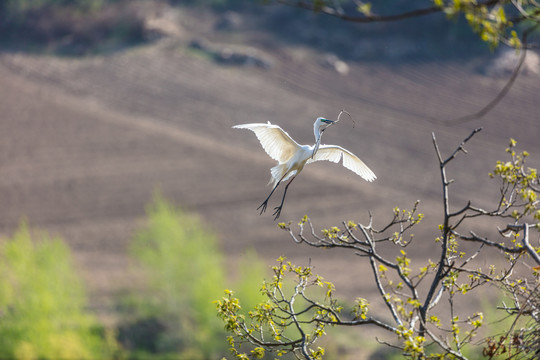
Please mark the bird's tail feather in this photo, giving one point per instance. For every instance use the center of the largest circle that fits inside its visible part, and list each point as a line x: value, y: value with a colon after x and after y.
x: 278, y: 174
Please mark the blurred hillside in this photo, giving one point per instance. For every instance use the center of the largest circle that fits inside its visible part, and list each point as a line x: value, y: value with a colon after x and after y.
x: 85, y: 140
x: 97, y: 26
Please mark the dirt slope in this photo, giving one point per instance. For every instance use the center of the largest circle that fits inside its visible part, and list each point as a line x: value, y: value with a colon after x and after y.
x: 85, y: 142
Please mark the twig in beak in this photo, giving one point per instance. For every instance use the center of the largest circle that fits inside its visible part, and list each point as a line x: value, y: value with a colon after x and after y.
x: 339, y: 118
x: 346, y: 112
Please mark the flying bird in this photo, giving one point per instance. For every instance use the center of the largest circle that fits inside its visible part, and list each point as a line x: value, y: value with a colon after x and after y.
x: 292, y: 157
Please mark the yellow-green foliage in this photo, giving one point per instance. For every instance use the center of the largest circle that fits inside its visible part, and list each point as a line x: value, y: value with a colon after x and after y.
x: 490, y: 23
x: 42, y: 302
x: 275, y: 320
x: 185, y: 273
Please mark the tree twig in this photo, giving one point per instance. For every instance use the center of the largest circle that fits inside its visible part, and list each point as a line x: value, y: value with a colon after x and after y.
x: 502, y: 93
x: 372, y: 18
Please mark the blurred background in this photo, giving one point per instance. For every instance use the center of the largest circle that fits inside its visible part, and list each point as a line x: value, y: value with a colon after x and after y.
x: 115, y: 137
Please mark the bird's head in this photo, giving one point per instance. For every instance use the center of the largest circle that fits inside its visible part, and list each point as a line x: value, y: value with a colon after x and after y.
x: 318, y: 131
x: 320, y: 122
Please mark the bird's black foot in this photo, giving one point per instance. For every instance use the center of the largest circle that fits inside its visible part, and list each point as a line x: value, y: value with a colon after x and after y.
x: 277, y: 212
x: 263, y: 206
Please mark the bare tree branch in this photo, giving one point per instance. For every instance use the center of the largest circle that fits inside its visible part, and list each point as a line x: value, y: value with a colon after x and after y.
x: 525, y: 241
x: 371, y: 18
x: 446, y: 216
x: 502, y: 93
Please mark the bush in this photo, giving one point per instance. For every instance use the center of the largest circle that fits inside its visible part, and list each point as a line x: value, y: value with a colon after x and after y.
x: 42, y: 303
x: 184, y: 269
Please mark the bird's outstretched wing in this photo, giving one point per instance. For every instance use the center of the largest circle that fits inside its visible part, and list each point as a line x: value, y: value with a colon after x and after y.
x: 334, y: 153
x: 276, y: 142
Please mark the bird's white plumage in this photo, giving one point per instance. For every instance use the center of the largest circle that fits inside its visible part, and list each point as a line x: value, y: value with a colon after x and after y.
x: 276, y: 142
x: 292, y: 157
x: 335, y: 153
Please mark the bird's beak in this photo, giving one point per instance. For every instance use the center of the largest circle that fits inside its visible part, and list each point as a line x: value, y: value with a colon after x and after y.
x: 329, y: 122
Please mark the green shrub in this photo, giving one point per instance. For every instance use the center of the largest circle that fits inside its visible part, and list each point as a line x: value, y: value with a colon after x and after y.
x: 173, y: 316
x: 42, y: 303
x: 184, y: 271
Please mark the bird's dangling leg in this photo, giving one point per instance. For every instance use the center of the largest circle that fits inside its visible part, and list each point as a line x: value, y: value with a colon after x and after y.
x: 265, y: 202
x: 277, y: 211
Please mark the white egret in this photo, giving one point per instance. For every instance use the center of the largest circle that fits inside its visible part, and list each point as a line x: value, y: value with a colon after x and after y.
x: 292, y: 157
